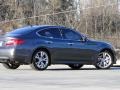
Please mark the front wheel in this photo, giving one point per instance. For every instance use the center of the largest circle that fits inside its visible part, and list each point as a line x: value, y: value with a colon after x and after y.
x: 105, y: 60
x: 10, y: 65
x: 40, y: 60
x: 75, y: 66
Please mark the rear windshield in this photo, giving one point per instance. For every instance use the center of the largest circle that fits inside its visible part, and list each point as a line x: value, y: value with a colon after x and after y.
x: 25, y: 30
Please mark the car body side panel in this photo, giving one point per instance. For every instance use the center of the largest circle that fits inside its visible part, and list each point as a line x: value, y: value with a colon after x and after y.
x: 61, y: 52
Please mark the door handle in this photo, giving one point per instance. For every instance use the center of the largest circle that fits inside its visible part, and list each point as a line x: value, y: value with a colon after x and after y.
x: 70, y: 43
x: 48, y: 42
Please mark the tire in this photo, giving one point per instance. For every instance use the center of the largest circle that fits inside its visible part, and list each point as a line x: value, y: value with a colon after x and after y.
x: 11, y: 65
x: 40, y: 60
x: 75, y: 66
x: 105, y: 60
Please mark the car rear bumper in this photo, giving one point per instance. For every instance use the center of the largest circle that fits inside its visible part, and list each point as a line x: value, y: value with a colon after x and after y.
x: 6, y: 54
x: 14, y: 55
x: 4, y: 59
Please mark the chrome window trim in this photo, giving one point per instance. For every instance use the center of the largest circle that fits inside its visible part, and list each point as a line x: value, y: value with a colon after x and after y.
x: 60, y: 34
x: 48, y: 37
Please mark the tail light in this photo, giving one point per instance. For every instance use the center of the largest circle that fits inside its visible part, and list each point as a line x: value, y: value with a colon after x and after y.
x: 14, y: 42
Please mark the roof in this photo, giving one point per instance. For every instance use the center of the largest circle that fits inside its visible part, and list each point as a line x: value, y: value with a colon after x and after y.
x: 28, y: 29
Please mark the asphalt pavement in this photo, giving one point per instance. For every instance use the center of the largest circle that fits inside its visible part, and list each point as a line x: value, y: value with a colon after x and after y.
x: 60, y: 77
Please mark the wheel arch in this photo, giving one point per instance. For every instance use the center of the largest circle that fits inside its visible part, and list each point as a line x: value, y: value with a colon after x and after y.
x: 42, y: 48
x: 111, y: 52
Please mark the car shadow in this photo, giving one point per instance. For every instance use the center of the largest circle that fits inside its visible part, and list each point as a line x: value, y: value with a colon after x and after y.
x: 67, y: 69
x: 83, y: 69
x: 116, y: 67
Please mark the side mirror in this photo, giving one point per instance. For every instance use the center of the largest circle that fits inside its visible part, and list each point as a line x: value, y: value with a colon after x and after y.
x: 84, y: 37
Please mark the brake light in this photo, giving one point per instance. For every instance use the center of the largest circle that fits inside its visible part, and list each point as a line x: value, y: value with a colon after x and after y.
x: 14, y: 42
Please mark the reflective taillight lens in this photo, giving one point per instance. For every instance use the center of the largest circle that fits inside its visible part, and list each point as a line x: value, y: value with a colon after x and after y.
x: 14, y: 42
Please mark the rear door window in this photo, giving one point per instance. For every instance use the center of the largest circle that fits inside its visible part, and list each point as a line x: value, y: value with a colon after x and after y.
x: 50, y: 33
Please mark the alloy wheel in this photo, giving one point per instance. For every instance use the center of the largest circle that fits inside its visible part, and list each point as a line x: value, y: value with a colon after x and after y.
x: 40, y: 60
x: 105, y: 60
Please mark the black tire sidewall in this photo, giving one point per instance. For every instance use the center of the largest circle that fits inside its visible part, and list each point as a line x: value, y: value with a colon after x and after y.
x: 72, y: 66
x: 12, y: 66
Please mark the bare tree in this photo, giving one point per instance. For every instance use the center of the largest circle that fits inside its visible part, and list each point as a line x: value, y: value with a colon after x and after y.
x: 100, y: 19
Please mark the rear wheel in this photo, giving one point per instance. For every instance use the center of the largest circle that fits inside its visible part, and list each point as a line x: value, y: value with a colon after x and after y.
x: 10, y: 65
x: 75, y: 66
x: 105, y: 60
x: 40, y: 60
